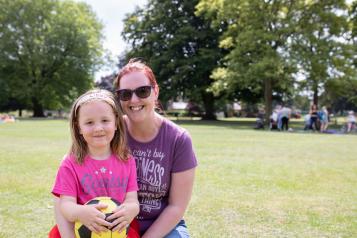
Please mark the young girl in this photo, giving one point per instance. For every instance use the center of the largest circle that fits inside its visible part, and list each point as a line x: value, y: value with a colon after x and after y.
x: 98, y: 164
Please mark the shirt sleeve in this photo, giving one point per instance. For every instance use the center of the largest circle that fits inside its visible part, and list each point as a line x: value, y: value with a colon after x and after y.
x: 66, y: 180
x: 184, y: 156
x: 132, y: 180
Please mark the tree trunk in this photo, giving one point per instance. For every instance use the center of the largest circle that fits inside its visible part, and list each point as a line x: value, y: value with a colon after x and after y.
x: 37, y: 108
x: 316, y: 96
x: 20, y: 112
x: 208, y: 102
x: 268, y: 95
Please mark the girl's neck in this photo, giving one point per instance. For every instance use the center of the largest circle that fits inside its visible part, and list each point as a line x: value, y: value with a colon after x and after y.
x: 147, y: 130
x: 100, y: 154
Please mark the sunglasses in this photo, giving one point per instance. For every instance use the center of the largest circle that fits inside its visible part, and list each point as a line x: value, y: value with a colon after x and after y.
x: 141, y: 92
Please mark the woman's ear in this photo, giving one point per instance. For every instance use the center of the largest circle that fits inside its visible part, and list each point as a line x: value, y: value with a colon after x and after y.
x: 156, y: 91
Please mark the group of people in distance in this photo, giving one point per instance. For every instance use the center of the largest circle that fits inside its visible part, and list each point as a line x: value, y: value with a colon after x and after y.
x: 316, y: 120
x: 5, y: 118
x: 122, y: 148
x: 280, y: 118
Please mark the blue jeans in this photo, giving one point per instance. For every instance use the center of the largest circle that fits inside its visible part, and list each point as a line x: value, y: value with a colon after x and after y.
x: 180, y: 231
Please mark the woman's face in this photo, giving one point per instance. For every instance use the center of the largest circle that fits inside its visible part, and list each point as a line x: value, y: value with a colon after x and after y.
x: 138, y: 109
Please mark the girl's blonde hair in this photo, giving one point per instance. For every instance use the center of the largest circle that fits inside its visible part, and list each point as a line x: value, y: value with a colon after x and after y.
x: 79, y: 147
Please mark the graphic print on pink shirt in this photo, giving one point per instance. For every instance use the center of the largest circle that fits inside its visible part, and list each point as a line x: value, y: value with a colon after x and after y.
x: 111, y: 177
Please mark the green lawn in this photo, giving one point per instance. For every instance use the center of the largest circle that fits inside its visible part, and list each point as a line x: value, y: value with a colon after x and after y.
x: 248, y: 184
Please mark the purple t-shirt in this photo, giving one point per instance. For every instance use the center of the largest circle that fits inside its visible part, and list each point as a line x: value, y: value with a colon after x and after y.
x: 169, y: 152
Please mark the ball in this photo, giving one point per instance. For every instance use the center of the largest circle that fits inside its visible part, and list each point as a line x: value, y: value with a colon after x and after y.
x: 82, y: 231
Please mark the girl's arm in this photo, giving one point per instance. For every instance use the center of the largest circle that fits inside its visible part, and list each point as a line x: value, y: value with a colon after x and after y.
x: 126, y: 212
x: 65, y: 227
x: 88, y: 215
x: 180, y: 194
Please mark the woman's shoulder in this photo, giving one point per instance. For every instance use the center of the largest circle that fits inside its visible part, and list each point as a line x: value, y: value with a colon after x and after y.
x: 173, y: 129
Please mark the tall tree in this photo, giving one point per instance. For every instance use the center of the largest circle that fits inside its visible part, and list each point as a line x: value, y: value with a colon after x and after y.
x: 341, y: 92
x: 181, y: 47
x: 258, y: 62
x: 49, y: 51
x: 321, y: 45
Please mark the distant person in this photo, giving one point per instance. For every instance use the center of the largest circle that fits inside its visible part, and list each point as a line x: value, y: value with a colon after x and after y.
x: 274, y: 120
x: 285, y: 114
x: 307, y: 122
x: 313, y: 117
x: 98, y: 153
x: 259, y: 123
x: 323, y: 116
x: 351, y: 121
x: 278, y: 111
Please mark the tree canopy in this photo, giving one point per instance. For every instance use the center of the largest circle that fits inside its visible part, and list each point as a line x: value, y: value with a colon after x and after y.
x: 181, y: 47
x: 49, y: 51
x: 272, y: 43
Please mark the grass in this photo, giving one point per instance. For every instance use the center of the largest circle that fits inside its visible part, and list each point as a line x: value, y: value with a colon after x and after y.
x: 248, y: 184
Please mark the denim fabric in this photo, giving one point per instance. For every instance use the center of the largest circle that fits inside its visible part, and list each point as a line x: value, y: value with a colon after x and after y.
x: 180, y: 231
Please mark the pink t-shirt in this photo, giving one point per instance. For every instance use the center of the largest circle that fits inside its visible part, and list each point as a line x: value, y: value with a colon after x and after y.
x: 94, y: 178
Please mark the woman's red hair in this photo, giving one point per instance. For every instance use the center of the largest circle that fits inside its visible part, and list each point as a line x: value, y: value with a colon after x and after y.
x: 136, y: 66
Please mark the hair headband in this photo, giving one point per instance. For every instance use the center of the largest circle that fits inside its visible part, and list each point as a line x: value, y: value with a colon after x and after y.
x: 95, y: 96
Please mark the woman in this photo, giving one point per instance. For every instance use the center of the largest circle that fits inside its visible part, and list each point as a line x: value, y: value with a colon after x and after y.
x: 163, y: 151
x: 164, y: 158
x: 313, y: 117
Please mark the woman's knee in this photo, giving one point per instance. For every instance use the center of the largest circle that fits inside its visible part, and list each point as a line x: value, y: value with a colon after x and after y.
x: 180, y: 231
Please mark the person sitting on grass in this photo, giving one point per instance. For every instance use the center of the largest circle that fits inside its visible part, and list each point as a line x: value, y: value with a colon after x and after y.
x: 98, y: 153
x: 164, y: 154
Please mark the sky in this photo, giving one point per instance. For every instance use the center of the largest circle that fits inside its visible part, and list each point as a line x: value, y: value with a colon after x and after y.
x: 111, y: 13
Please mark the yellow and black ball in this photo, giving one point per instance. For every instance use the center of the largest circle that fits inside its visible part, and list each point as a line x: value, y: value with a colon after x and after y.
x: 82, y: 231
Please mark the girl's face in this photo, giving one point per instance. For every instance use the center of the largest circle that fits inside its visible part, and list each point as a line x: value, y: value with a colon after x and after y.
x: 136, y: 108
x: 97, y: 125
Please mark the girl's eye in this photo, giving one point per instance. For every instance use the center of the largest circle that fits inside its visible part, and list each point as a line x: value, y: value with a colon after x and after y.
x: 89, y: 122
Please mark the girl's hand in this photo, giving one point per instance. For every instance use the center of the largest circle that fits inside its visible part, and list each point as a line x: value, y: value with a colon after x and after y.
x: 93, y: 218
x: 125, y: 213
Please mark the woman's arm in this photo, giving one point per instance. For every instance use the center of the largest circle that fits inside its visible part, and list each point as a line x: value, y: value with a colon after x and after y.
x: 126, y: 212
x: 180, y: 195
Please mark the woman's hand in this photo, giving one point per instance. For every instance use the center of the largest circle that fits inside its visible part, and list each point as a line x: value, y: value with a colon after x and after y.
x: 125, y: 213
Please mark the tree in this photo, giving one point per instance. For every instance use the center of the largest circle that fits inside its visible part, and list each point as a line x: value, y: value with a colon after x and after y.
x: 181, y: 47
x: 269, y: 41
x: 49, y: 51
x: 321, y: 45
x: 258, y: 63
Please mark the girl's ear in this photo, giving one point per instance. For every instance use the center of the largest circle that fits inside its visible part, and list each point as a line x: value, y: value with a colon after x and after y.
x: 79, y: 128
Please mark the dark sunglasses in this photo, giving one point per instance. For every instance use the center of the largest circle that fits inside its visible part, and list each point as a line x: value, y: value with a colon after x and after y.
x: 141, y: 92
